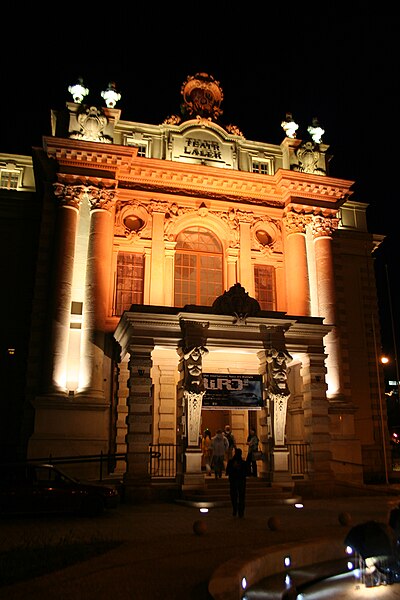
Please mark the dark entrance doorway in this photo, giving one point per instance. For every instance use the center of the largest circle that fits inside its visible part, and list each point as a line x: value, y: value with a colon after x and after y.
x: 214, y: 419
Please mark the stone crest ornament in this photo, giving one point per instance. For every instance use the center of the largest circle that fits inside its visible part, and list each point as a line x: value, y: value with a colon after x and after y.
x: 308, y: 157
x: 202, y: 97
x: 92, y: 122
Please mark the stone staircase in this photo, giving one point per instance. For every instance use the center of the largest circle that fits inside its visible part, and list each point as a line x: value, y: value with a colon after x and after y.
x: 259, y: 492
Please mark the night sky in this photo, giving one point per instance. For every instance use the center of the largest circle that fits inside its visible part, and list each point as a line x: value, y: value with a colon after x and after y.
x: 338, y: 63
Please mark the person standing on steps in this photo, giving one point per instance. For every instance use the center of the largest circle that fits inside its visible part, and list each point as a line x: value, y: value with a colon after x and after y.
x: 252, y: 443
x: 232, y: 442
x: 206, y: 450
x: 236, y: 470
x: 219, y: 446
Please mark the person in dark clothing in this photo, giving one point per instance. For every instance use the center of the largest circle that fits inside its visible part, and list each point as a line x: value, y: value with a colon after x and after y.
x: 236, y: 469
x: 252, y: 443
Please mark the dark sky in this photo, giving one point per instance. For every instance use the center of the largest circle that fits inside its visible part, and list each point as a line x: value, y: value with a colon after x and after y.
x: 339, y: 63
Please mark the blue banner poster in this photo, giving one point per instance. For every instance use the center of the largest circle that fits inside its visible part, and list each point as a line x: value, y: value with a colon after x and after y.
x: 232, y: 391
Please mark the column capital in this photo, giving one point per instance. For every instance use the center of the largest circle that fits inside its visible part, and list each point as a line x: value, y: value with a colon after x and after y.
x: 69, y: 195
x: 295, y: 223
x: 100, y: 198
x: 324, y: 226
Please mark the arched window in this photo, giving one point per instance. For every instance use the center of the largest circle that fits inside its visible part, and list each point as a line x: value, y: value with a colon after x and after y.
x: 198, y: 267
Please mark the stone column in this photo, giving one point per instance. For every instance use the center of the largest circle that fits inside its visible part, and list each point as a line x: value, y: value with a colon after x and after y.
x: 139, y: 422
x: 97, y: 287
x: 322, y: 231
x: 191, y: 353
x: 297, y: 281
x: 69, y: 198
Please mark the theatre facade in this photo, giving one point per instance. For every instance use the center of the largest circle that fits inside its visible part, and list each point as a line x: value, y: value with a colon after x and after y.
x: 188, y: 277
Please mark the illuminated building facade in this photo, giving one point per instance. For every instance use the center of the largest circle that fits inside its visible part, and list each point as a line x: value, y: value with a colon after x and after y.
x: 180, y: 259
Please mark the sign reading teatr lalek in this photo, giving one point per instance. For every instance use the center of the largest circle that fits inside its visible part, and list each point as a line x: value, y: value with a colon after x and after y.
x: 232, y: 391
x: 202, y: 148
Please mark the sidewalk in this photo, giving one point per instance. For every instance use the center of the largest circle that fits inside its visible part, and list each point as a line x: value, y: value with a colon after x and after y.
x: 162, y: 557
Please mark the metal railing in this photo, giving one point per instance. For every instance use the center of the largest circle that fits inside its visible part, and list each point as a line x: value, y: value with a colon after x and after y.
x: 298, y: 458
x: 163, y: 460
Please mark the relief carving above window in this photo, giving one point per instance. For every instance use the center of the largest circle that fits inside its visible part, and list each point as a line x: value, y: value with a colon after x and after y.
x: 266, y: 237
x: 132, y: 220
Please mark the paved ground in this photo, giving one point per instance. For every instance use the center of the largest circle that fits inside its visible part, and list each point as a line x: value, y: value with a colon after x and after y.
x: 161, y: 556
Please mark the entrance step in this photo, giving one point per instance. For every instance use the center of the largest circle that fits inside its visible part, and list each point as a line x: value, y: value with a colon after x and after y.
x: 259, y: 492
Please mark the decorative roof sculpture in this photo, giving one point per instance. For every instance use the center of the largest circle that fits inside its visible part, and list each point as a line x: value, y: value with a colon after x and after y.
x: 202, y: 97
x: 237, y: 302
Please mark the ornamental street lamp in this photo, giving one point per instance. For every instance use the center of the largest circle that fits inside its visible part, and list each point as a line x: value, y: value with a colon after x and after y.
x: 110, y: 95
x: 78, y: 91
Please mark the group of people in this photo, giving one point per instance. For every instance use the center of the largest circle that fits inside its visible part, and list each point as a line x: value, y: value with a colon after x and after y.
x: 217, y: 450
x: 221, y: 453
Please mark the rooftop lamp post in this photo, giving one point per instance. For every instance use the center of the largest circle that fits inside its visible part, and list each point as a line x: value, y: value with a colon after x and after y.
x: 78, y: 91
x: 316, y: 131
x: 110, y: 95
x: 289, y: 126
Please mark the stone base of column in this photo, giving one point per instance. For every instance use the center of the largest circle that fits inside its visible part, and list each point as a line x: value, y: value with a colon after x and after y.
x: 281, y: 460
x: 280, y: 474
x: 88, y: 394
x: 339, y: 399
x: 193, y: 461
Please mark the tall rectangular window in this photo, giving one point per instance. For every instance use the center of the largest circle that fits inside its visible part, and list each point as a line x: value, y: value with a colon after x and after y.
x: 264, y: 281
x: 130, y: 281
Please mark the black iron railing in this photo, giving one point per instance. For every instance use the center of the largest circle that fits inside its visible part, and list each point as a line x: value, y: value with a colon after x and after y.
x: 163, y: 460
x: 298, y: 458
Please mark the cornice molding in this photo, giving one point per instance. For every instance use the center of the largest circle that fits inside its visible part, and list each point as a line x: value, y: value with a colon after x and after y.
x: 156, y: 175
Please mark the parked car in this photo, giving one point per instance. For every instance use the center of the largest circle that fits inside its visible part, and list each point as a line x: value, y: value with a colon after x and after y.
x: 44, y: 488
